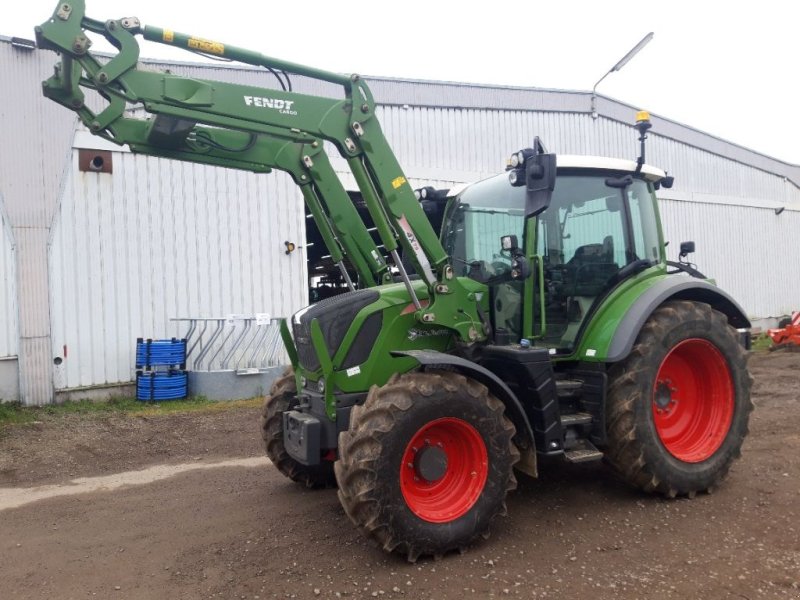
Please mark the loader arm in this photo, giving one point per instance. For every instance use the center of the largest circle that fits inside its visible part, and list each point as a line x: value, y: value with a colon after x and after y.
x: 244, y: 127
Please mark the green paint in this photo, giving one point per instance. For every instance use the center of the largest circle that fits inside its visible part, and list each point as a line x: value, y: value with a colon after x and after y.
x: 247, y: 127
x: 598, y: 333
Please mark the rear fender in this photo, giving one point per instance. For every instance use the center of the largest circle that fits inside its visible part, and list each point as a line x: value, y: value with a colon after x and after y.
x: 617, y: 338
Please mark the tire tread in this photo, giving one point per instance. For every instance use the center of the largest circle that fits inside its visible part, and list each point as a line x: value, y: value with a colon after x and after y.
x: 627, y: 446
x: 360, y: 446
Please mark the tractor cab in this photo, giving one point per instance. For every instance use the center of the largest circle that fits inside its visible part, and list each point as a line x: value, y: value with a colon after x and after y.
x: 599, y: 228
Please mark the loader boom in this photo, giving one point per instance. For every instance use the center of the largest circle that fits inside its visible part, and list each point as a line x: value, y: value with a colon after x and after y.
x: 257, y: 129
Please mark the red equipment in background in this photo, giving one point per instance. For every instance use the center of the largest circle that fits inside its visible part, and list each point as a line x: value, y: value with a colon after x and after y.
x: 787, y: 336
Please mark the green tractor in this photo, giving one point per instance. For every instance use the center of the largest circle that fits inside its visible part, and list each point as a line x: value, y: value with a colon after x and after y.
x: 543, y: 320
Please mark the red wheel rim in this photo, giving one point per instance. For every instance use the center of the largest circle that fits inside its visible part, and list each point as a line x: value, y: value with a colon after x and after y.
x: 693, y: 400
x: 444, y: 470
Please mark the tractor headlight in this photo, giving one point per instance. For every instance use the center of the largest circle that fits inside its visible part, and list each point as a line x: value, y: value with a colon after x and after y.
x: 518, y: 159
x: 427, y: 193
x: 516, y: 177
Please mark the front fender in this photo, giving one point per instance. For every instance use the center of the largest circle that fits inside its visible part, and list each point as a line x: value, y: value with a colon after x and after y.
x: 616, y: 324
x: 481, y: 374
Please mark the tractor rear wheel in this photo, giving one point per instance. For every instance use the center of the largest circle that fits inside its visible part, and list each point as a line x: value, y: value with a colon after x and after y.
x: 283, y: 397
x: 678, y: 406
x: 426, y: 463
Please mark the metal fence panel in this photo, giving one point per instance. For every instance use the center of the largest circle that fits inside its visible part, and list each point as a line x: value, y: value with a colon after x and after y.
x: 240, y: 343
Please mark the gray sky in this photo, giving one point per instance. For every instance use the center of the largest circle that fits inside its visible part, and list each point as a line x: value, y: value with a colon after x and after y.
x: 730, y: 69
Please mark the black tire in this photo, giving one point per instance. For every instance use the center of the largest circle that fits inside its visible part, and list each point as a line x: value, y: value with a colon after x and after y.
x: 636, y: 448
x: 371, y: 457
x: 283, y: 397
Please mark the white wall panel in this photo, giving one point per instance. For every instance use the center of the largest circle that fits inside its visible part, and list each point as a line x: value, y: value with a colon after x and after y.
x: 159, y: 239
x: 36, y: 141
x: 749, y: 251
x: 8, y: 289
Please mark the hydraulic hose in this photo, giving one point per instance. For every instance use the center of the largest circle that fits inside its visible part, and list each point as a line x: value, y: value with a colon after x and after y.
x: 160, y: 353
x: 157, y: 386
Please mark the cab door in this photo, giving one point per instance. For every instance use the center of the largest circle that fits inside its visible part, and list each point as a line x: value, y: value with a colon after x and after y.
x: 596, y: 225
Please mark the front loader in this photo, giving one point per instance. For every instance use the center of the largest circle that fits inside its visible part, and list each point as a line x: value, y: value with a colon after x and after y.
x: 544, y: 321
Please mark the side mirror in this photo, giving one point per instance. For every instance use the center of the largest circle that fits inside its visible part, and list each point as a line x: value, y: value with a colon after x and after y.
x: 541, y: 180
x: 686, y: 249
x: 534, y: 168
x: 509, y: 243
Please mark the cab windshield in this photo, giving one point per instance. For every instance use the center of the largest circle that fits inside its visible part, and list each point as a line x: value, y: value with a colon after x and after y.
x: 482, y: 214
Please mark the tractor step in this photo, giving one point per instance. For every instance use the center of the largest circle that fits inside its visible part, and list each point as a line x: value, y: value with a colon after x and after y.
x: 583, y: 452
x: 568, y: 388
x: 576, y: 419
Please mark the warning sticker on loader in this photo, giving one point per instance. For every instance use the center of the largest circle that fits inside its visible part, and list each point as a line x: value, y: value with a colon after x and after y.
x: 206, y: 46
x: 418, y: 252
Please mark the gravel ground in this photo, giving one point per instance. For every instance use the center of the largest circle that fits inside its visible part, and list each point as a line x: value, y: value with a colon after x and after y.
x: 245, y: 532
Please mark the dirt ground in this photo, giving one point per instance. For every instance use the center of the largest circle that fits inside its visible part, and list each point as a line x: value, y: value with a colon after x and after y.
x: 245, y: 532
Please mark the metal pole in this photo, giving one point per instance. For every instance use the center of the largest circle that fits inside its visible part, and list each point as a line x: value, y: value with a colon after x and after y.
x: 621, y: 63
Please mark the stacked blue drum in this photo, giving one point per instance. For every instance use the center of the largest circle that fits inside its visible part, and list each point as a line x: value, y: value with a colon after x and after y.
x: 160, y: 370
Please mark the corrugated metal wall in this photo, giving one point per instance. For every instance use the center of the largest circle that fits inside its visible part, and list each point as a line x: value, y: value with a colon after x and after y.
x: 159, y: 239
x: 36, y: 141
x: 8, y: 289
x: 466, y: 144
x: 752, y: 252
x: 102, y: 287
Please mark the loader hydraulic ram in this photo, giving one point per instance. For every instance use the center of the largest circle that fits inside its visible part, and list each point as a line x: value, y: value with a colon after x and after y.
x: 545, y: 320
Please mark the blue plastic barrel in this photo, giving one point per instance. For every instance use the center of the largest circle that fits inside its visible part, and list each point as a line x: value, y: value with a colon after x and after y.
x: 160, y: 353
x: 157, y: 386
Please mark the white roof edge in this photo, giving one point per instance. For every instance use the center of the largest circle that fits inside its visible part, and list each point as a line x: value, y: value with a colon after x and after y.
x: 86, y: 140
x: 574, y: 161
x: 577, y: 161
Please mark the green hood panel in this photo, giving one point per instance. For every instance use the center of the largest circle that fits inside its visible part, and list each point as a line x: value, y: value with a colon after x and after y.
x: 368, y: 324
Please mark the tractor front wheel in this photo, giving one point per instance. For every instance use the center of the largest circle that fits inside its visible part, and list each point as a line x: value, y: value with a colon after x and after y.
x: 426, y: 463
x: 283, y: 397
x: 678, y: 406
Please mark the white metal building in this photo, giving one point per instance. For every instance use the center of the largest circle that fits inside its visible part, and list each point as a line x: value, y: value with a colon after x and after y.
x: 91, y: 261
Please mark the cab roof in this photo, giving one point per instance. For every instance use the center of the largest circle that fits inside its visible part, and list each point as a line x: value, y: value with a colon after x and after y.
x: 574, y: 161
x: 577, y: 161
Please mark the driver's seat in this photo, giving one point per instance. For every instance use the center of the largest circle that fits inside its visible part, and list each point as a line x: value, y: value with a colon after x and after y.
x: 590, y: 268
